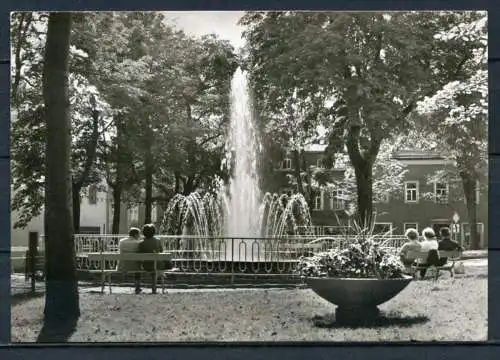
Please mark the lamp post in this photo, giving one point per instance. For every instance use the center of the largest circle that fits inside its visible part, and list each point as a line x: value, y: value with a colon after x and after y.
x: 349, y: 212
x: 456, y: 227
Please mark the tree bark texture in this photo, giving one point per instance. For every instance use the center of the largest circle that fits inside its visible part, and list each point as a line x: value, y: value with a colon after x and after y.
x: 61, y: 297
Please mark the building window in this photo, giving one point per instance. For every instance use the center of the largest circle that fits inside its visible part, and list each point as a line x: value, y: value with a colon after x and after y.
x: 133, y: 213
x: 337, y: 200
x: 90, y: 230
x: 318, y: 202
x: 411, y: 191
x: 382, y: 228
x: 441, y: 192
x: 286, y: 164
x: 407, y: 226
x: 92, y: 194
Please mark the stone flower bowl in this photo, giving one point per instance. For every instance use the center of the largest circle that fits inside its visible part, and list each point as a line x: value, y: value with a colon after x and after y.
x: 357, y: 298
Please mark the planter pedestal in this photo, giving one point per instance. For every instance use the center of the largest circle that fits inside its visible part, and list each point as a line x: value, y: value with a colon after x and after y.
x: 356, y: 315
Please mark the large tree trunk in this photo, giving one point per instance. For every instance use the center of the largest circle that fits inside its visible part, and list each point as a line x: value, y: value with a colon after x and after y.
x: 364, y: 181
x: 117, y: 205
x: 469, y: 186
x: 76, y: 207
x: 177, y: 187
x: 188, y: 185
x: 118, y: 186
x: 297, y: 169
x: 149, y: 187
x: 363, y: 168
x: 61, y: 296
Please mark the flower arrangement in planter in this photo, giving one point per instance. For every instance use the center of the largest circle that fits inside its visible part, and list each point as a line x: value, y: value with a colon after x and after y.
x: 357, y: 279
x: 367, y: 259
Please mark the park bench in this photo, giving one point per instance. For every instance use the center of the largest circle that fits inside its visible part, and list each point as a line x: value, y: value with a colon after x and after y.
x: 421, y: 257
x: 103, y: 257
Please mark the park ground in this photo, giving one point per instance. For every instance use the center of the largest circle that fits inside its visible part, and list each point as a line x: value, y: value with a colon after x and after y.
x: 448, y: 309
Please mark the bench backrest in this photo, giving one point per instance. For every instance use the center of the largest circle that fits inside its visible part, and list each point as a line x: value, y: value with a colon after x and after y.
x: 129, y: 256
x: 454, y: 254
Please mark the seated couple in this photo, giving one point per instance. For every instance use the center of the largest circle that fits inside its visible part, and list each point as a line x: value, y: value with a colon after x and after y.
x: 429, y: 244
x: 134, y: 244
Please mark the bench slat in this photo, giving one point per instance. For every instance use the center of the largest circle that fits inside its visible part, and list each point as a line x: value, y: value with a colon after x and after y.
x: 441, y: 253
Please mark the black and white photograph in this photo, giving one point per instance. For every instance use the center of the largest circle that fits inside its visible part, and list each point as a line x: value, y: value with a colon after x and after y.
x: 249, y: 176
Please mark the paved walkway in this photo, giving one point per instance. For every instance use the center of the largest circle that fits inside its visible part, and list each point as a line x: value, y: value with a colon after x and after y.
x: 475, y: 254
x: 18, y: 285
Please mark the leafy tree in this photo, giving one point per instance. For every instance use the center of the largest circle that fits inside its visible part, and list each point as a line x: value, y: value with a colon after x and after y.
x: 29, y: 128
x: 456, y: 115
x: 361, y: 74
x: 27, y: 135
x: 185, y: 121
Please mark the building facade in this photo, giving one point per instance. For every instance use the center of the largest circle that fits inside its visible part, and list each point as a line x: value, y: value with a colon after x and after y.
x: 419, y: 204
x: 94, y: 211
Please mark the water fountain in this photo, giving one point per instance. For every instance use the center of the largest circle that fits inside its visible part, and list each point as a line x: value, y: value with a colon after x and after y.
x: 238, y: 210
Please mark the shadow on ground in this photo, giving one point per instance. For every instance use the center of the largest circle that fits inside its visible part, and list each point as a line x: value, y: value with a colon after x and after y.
x: 22, y: 297
x: 382, y: 321
x: 56, y: 332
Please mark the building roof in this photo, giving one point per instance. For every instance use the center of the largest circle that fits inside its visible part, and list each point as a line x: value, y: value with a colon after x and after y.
x: 417, y: 155
x: 408, y: 154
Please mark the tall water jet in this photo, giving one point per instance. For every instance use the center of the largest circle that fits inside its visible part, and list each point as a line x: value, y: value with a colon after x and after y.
x: 237, y: 211
x: 243, y: 200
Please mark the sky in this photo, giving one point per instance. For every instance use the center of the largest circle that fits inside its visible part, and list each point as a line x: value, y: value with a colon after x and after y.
x: 197, y: 23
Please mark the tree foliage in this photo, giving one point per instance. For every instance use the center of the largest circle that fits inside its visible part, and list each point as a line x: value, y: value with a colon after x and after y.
x: 149, y: 108
x: 456, y: 115
x: 360, y: 74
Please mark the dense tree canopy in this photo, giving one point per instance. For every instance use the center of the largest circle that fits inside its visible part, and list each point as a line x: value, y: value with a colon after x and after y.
x: 149, y: 108
x: 360, y: 74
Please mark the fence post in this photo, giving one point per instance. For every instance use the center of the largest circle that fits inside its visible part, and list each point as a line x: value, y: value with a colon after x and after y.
x: 32, y: 258
x: 232, y: 261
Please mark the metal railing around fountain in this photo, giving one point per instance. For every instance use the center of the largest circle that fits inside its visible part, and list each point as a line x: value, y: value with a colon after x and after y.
x: 227, y: 255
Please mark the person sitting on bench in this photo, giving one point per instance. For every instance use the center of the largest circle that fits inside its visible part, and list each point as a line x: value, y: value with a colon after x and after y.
x: 130, y: 244
x: 446, y: 244
x: 411, y: 245
x: 430, y: 245
x: 150, y: 244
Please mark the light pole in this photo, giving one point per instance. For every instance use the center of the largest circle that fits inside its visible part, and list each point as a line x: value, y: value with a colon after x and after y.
x: 349, y: 212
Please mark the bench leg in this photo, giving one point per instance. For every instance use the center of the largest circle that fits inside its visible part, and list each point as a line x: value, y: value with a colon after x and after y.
x: 154, y: 282
x: 103, y: 282
x: 163, y: 283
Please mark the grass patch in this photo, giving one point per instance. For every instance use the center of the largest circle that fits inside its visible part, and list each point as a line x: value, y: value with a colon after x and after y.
x: 447, y: 310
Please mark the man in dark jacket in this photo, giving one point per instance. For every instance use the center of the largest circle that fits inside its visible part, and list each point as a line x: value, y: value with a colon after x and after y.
x: 446, y: 244
x: 149, y: 245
